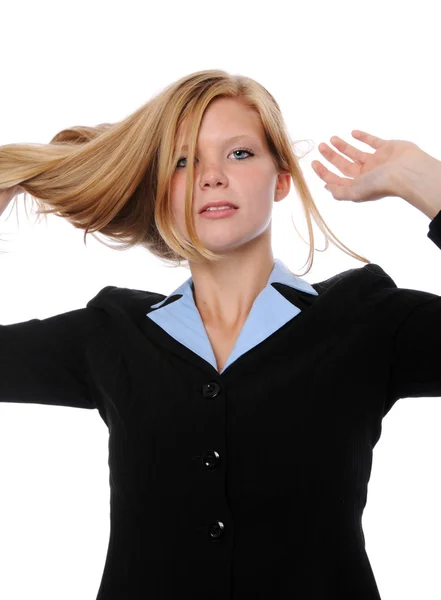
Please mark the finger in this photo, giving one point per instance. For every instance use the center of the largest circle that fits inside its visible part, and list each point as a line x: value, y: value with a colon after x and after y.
x: 328, y: 175
x: 342, y: 192
x: 347, y: 167
x: 367, y: 138
x: 357, y: 155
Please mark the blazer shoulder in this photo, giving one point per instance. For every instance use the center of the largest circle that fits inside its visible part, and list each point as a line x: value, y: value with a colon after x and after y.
x: 370, y: 276
x: 117, y: 301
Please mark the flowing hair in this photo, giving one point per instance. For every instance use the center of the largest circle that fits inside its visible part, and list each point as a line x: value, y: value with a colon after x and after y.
x: 114, y: 178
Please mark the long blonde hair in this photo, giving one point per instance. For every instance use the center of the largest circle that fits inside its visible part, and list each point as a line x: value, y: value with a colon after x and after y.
x: 114, y: 178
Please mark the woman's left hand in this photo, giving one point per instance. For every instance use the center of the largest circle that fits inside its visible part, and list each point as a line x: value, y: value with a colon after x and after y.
x: 370, y: 176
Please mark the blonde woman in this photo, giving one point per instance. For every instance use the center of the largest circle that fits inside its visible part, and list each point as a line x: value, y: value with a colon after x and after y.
x: 241, y: 420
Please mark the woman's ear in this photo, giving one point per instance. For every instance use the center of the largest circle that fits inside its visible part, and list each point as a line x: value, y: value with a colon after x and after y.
x: 283, y: 186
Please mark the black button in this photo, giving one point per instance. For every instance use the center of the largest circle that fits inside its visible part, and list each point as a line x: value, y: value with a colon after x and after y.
x: 215, y: 530
x: 211, y: 389
x: 210, y: 459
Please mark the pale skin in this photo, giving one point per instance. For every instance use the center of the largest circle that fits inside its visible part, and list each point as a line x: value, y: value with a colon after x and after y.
x: 224, y: 292
x: 396, y: 168
x: 7, y: 195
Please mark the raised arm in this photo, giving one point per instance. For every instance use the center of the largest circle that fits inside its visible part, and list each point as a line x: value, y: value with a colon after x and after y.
x: 7, y: 195
x: 44, y: 361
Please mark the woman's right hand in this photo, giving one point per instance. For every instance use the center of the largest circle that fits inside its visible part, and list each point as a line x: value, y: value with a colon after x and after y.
x: 7, y: 195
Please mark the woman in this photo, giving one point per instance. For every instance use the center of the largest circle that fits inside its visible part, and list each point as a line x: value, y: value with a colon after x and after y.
x: 243, y: 408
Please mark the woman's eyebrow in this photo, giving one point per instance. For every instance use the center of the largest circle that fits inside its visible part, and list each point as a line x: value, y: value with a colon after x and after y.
x: 231, y: 139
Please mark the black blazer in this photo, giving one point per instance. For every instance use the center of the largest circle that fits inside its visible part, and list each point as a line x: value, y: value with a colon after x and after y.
x: 249, y: 484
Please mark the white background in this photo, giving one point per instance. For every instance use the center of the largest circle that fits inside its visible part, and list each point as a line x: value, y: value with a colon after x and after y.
x: 333, y: 67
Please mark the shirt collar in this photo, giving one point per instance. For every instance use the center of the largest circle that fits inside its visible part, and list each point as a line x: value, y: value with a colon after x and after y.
x: 279, y: 274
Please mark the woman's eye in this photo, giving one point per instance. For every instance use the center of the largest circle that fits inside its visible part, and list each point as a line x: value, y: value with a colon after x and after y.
x: 178, y: 166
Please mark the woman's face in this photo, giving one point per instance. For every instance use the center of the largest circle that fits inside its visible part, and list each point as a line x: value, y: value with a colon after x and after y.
x: 239, y: 171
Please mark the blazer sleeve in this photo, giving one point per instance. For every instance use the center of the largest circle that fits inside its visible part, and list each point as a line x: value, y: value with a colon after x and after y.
x: 416, y: 345
x: 43, y: 361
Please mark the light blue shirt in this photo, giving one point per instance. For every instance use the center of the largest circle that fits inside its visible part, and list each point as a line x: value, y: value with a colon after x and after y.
x: 270, y: 311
